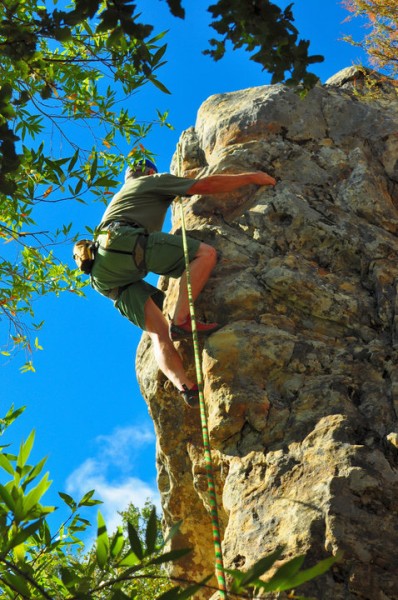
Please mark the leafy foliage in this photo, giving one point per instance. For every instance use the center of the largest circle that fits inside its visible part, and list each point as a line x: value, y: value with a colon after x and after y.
x: 142, y: 529
x: 60, y: 56
x: 38, y: 564
x: 55, y: 69
x: 268, y: 32
x: 381, y: 43
x: 286, y: 577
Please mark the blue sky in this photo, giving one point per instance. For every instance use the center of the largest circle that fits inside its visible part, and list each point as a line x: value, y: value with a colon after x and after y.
x: 83, y: 400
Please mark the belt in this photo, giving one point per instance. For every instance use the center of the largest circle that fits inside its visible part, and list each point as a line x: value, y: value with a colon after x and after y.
x: 121, y: 223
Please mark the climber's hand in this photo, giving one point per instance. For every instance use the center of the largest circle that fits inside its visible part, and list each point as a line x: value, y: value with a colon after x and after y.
x: 264, y: 179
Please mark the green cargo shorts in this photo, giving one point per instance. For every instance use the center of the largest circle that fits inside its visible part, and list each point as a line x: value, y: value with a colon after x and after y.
x: 164, y: 256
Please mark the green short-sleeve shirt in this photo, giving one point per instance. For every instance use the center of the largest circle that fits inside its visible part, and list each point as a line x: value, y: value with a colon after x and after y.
x: 146, y: 199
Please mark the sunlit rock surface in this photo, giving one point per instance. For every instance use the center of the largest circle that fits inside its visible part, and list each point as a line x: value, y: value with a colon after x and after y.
x: 301, y: 384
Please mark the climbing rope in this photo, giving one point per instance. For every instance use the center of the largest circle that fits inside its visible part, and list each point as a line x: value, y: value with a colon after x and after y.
x: 219, y: 565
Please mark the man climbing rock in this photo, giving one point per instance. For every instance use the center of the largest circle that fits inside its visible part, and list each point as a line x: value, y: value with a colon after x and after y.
x: 131, y: 244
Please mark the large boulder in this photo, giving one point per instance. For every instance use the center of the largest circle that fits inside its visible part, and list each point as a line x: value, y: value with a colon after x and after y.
x: 301, y: 384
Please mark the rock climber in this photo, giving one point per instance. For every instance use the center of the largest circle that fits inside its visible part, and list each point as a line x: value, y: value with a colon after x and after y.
x: 130, y: 244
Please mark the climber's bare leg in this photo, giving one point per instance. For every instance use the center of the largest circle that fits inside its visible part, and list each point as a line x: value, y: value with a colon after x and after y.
x: 200, y: 269
x: 167, y: 357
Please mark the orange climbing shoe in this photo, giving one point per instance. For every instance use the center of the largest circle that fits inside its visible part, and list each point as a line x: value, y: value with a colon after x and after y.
x: 190, y: 397
x: 184, y: 330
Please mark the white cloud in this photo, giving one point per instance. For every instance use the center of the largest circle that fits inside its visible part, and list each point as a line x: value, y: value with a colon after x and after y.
x: 110, y: 473
x: 124, y: 442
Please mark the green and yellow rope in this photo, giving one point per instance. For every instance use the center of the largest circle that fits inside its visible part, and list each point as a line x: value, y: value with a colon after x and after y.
x: 219, y: 565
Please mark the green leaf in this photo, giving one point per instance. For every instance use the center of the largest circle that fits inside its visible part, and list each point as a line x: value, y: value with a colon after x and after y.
x: 7, y: 498
x: 114, y: 37
x: 68, y: 500
x: 135, y: 542
x: 78, y: 187
x: 25, y: 450
x: 45, y: 533
x: 285, y: 573
x: 6, y: 464
x: 173, y: 531
x: 19, y: 553
x: 261, y: 566
x: 35, y: 471
x: 88, y: 499
x: 105, y: 182
x: 23, y: 534
x: 11, y: 416
x: 177, y: 593
x: 170, y: 594
x: 37, y: 345
x: 151, y: 532
x: 117, y: 543
x: 5, y: 93
x: 130, y: 560
x: 303, y: 576
x: 28, y: 366
x: 17, y: 583
x: 159, y: 54
x: 236, y: 577
x: 63, y: 34
x: 158, y: 84
x: 69, y: 576
x: 33, y: 497
x: 173, y: 555
x: 102, y: 549
x: 73, y: 161
x: 93, y: 168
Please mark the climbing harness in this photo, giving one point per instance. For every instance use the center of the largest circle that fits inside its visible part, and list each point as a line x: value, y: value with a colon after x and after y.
x: 138, y: 252
x: 84, y: 251
x: 219, y: 565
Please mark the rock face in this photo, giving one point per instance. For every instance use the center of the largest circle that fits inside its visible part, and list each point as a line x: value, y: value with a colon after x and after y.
x: 301, y: 384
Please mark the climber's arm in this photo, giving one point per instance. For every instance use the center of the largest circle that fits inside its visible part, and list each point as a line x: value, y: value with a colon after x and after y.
x: 215, y: 184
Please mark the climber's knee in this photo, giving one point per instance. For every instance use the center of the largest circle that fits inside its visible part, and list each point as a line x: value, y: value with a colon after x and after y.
x: 207, y: 254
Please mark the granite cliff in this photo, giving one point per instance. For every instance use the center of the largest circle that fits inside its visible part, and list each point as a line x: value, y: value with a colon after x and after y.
x: 301, y: 383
